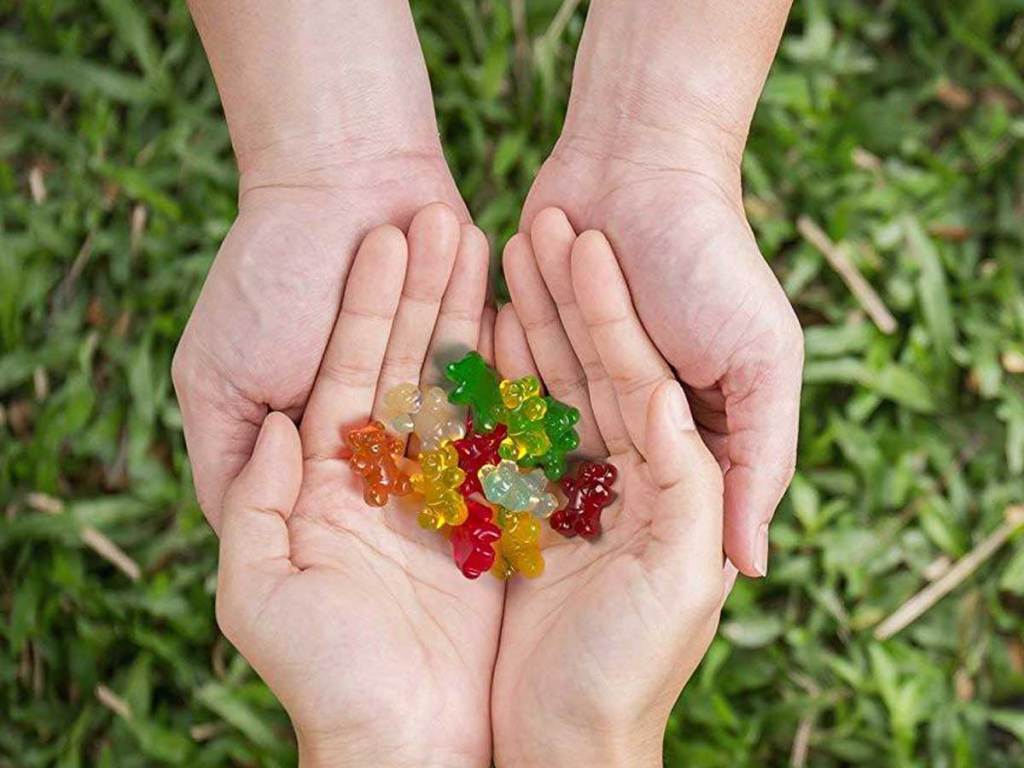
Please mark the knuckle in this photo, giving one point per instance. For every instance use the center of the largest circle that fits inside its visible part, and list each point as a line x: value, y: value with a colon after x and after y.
x: 545, y: 322
x: 182, y: 368
x: 704, y: 600
x: 345, y: 374
x: 566, y: 385
x: 402, y: 363
x: 792, y: 337
x: 226, y: 613
x: 594, y: 371
x: 627, y: 386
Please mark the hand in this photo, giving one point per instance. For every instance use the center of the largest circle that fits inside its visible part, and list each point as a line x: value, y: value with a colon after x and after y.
x: 258, y: 332
x: 331, y: 119
x: 593, y: 654
x: 358, y: 620
x: 650, y: 155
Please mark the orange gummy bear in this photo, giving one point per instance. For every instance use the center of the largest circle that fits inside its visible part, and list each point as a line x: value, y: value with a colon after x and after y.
x: 374, y: 458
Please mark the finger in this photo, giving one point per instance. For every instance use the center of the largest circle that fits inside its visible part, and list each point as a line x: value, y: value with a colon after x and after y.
x: 254, y: 549
x: 556, y: 361
x: 457, y: 329
x: 685, y: 552
x: 343, y: 393
x: 631, y: 360
x: 763, y: 413
x: 485, y: 346
x: 512, y: 355
x: 433, y: 243
x: 220, y: 427
x: 515, y: 360
x: 552, y: 237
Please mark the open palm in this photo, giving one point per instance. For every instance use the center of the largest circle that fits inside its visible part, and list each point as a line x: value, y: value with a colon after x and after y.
x: 605, y: 640
x: 357, y: 618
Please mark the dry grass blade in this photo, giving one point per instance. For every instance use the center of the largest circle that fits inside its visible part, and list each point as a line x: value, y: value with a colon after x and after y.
x: 43, y: 502
x: 913, y: 608
x: 837, y: 258
x: 113, y: 702
x: 561, y: 20
x: 109, y: 551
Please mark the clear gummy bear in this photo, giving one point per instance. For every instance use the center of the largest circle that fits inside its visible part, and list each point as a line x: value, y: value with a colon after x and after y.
x: 517, y: 491
x: 437, y: 421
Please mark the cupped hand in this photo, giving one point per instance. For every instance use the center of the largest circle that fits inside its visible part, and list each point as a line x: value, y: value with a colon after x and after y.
x: 359, y: 621
x: 259, y: 329
x: 671, y: 206
x: 594, y: 653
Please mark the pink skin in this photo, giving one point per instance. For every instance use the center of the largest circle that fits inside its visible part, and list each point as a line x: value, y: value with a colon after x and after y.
x: 359, y: 621
x: 651, y: 158
x: 332, y: 122
x: 330, y: 115
x: 594, y: 653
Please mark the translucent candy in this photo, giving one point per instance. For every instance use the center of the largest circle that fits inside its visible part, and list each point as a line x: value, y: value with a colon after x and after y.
x: 476, y: 386
x: 438, y: 421
x: 475, y: 451
x: 401, y: 404
x: 588, y: 493
x: 517, y: 491
x: 559, y: 423
x: 523, y: 413
x: 438, y: 481
x: 473, y: 541
x: 374, y: 458
x: 518, y: 550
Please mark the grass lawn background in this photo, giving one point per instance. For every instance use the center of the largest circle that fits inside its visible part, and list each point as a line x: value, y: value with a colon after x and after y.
x: 894, y: 127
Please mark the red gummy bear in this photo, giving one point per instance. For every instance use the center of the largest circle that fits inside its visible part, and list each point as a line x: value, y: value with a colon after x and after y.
x: 477, y: 450
x: 374, y: 455
x: 473, y: 541
x: 589, y: 492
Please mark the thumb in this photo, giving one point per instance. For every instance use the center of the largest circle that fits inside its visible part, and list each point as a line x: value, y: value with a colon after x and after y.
x: 686, y: 546
x: 254, y: 547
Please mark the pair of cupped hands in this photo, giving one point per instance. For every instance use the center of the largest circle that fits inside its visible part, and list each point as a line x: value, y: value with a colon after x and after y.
x: 380, y: 650
x: 382, y: 653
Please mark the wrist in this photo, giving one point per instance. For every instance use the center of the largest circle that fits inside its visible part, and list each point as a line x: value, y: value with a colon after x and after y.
x: 356, y: 751
x: 556, y: 746
x: 681, y: 75
x: 306, y: 82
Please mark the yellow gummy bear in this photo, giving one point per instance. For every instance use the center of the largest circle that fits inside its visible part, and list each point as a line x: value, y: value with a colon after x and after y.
x: 524, y: 416
x: 518, y: 550
x: 438, y: 481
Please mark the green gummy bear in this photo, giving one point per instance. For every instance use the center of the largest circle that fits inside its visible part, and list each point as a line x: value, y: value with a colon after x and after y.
x: 476, y: 386
x: 559, y: 422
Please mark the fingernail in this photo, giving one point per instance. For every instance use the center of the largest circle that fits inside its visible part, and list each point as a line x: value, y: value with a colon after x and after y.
x: 761, y: 551
x: 679, y: 409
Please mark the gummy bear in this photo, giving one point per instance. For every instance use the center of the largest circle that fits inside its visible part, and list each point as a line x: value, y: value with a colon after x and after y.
x: 374, y: 455
x: 438, y: 480
x: 524, y: 415
x: 476, y: 385
x: 518, y: 550
x: 475, y: 451
x: 401, y: 404
x: 473, y: 541
x: 589, y: 492
x: 437, y: 420
x: 559, y: 423
x: 517, y: 491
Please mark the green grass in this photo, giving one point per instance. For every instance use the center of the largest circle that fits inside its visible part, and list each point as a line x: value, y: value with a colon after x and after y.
x: 896, y: 125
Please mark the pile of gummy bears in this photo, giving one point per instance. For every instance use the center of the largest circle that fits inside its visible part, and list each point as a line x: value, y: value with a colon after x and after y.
x: 488, y: 451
